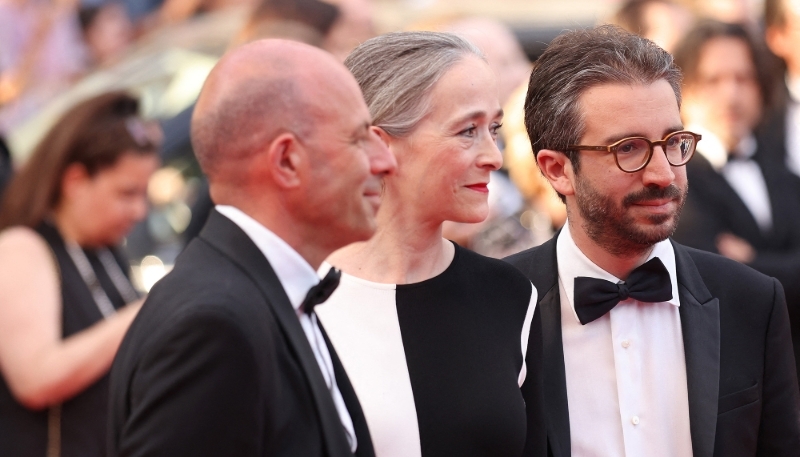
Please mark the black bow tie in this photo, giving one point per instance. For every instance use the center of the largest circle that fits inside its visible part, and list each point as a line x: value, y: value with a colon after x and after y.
x: 647, y: 283
x: 319, y: 293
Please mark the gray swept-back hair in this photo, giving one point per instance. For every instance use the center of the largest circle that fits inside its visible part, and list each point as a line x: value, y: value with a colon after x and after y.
x: 578, y: 60
x: 397, y: 71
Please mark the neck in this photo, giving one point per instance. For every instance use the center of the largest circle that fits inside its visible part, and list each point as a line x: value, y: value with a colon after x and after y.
x: 405, y: 248
x: 66, y: 226
x: 293, y: 231
x: 619, y: 265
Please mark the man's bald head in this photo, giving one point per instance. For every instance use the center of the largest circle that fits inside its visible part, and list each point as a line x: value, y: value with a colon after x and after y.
x: 255, y: 93
x: 282, y: 131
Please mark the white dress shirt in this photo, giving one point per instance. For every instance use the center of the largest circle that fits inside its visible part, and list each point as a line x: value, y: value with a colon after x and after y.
x: 744, y: 174
x: 626, y: 371
x: 793, y: 126
x: 296, y: 277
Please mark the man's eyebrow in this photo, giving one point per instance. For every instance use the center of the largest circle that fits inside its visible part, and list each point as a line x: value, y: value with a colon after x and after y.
x: 616, y: 137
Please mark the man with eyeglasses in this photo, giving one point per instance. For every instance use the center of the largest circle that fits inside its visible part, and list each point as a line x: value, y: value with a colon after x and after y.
x: 649, y: 348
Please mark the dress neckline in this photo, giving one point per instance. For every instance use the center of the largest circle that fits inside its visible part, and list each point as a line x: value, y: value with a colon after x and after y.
x: 392, y: 286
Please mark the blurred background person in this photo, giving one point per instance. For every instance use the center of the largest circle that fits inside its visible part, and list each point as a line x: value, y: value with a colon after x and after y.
x: 782, y: 128
x: 6, y: 170
x: 107, y: 32
x: 150, y: 15
x: 742, y: 203
x: 63, y: 282
x: 41, y: 54
x: 307, y: 21
x: 433, y: 337
x: 744, y: 12
x: 354, y: 25
x: 663, y: 21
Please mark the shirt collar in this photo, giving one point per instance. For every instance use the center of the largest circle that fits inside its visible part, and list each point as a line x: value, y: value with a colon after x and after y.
x: 294, y: 273
x: 573, y: 263
x: 715, y: 152
x: 793, y: 84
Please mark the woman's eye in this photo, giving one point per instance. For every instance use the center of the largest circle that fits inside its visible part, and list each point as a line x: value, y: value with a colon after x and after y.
x: 469, y: 131
x: 495, y: 128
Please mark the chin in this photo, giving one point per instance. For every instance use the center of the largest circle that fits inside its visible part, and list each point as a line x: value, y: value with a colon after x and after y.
x: 472, y: 215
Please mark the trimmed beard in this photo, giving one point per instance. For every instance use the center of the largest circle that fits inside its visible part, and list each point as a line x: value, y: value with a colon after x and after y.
x: 611, y: 227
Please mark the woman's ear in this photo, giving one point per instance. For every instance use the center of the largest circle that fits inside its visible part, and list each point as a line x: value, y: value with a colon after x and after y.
x: 385, y: 137
x: 557, y: 168
x: 394, y: 144
x: 74, y: 179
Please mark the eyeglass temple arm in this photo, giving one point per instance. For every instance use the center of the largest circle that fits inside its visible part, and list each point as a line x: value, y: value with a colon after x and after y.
x: 590, y: 148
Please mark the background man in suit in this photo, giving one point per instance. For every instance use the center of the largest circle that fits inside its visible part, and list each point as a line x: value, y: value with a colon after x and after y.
x: 781, y: 130
x: 225, y: 357
x: 649, y: 348
x: 744, y: 204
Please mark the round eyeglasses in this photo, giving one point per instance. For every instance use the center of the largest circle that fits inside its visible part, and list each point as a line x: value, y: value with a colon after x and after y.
x: 633, y: 154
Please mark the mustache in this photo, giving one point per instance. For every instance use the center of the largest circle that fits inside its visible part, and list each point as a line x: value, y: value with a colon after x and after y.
x: 653, y: 193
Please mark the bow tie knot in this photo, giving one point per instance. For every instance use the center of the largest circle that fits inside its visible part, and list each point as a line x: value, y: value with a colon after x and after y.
x: 623, y: 291
x: 322, y: 291
x: 648, y: 283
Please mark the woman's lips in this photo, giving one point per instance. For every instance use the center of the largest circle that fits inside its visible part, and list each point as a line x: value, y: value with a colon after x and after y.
x: 480, y: 187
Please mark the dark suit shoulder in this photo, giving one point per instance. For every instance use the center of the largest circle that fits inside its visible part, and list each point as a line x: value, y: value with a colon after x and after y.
x: 203, y: 274
x: 203, y: 283
x: 524, y: 258
x: 720, y: 272
x: 493, y: 271
x: 198, y: 370
x: 747, y: 299
x: 538, y: 264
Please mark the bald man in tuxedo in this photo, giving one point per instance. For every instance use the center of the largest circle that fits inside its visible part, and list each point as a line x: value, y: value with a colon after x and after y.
x: 226, y: 356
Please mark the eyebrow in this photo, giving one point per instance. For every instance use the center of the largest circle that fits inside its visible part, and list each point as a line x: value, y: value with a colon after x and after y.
x: 476, y: 115
x: 361, y: 129
x: 614, y: 138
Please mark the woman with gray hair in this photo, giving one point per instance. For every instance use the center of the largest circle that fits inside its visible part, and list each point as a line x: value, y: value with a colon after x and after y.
x: 433, y: 337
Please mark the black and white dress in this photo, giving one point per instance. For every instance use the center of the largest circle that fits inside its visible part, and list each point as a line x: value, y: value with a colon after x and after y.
x: 437, y: 364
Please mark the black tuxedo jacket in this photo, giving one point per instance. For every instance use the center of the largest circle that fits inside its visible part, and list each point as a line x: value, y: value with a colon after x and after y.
x: 771, y: 133
x: 713, y: 207
x: 217, y: 364
x: 743, y: 394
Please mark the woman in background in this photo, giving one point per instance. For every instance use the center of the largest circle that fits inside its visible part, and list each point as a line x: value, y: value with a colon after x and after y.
x: 63, y: 284
x: 433, y: 336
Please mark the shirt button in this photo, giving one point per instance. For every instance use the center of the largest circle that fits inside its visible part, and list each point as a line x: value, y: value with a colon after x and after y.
x: 635, y: 420
x: 626, y: 344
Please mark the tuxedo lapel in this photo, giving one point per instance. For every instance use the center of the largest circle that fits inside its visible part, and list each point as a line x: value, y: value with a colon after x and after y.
x: 553, y: 372
x: 542, y: 269
x: 224, y: 235
x: 700, y: 324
